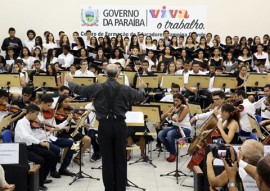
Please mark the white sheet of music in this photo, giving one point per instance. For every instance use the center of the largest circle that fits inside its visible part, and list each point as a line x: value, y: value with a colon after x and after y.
x: 9, y: 153
x: 133, y: 117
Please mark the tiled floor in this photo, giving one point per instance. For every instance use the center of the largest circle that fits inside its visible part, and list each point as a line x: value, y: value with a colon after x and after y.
x: 142, y: 174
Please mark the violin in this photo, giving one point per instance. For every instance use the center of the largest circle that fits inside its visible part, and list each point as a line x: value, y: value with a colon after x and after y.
x: 48, y: 114
x: 37, y: 125
x: 11, y: 108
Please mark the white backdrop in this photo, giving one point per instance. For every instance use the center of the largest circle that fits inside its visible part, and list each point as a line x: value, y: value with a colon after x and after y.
x: 230, y: 17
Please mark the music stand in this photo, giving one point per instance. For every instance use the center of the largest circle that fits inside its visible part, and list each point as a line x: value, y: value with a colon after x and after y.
x: 164, y: 106
x: 81, y: 174
x: 150, y: 81
x: 177, y: 173
x: 102, y: 78
x: 224, y: 82
x: 130, y: 75
x: 84, y: 80
x: 44, y: 81
x: 256, y: 128
x: 159, y: 75
x: 168, y: 80
x: 129, y: 183
x: 198, y: 81
x: 153, y: 114
x: 10, y: 80
x: 257, y: 80
x: 194, y: 109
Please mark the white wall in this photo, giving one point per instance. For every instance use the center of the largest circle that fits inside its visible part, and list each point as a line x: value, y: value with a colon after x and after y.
x: 230, y: 17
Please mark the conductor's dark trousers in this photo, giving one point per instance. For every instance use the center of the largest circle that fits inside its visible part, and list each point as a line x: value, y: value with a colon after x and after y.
x: 112, y: 136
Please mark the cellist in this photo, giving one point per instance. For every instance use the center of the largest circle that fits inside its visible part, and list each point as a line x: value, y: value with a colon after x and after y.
x: 218, y: 98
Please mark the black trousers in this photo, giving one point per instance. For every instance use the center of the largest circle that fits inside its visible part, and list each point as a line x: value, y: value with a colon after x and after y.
x: 112, y: 136
x: 41, y: 155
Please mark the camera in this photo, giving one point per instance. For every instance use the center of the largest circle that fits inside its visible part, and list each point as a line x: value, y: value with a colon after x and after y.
x: 221, y: 151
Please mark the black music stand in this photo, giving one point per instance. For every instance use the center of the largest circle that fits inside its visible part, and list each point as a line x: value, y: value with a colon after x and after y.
x: 84, y: 80
x: 129, y: 183
x: 200, y: 82
x: 177, y: 173
x: 81, y: 174
x: 152, y: 113
x: 168, y: 80
x: 10, y: 80
x: 224, y: 82
x: 43, y: 81
x: 257, y: 80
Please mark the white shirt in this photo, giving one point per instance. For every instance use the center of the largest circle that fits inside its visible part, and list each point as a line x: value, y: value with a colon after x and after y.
x: 91, y: 116
x: 24, y: 133
x: 121, y: 61
x: 29, y: 43
x: 153, y: 47
x: 184, y: 123
x: 248, y: 109
x: 55, y: 100
x: 28, y: 62
x: 69, y: 59
x: 264, y: 55
x: 204, y: 116
x: 260, y: 105
x: 50, y: 45
x: 87, y: 73
x: 52, y: 122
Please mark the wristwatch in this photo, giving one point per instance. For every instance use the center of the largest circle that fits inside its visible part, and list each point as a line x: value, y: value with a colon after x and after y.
x: 231, y: 185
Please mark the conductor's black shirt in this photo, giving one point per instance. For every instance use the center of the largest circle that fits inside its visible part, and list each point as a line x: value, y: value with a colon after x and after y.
x: 124, y: 98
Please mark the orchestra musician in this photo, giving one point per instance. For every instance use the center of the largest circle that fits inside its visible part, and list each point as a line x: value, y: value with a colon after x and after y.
x: 218, y: 98
x: 65, y: 109
x: 249, y: 109
x: 264, y: 106
x: 46, y: 117
x: 38, y: 147
x: 228, y: 124
x: 179, y: 115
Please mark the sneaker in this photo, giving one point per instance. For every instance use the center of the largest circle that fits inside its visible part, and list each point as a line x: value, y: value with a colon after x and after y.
x: 95, y: 157
x: 171, y: 158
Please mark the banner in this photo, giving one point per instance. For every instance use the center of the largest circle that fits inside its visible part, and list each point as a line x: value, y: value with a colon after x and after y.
x: 150, y: 20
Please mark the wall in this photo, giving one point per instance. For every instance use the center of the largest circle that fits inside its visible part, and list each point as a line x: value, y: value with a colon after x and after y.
x: 230, y: 17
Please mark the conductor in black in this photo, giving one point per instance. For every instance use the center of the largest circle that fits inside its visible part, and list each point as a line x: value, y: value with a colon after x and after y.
x: 112, y: 101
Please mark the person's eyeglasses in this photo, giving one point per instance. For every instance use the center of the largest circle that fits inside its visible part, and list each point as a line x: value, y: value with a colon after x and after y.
x: 26, y: 95
x: 216, y: 99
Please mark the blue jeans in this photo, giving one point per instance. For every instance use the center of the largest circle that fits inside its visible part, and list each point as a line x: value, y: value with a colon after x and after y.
x: 55, y: 148
x: 168, y: 136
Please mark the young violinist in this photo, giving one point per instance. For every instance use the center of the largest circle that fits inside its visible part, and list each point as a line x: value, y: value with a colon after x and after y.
x: 65, y: 109
x: 6, y: 109
x: 37, y: 145
x: 179, y: 115
x: 46, y: 117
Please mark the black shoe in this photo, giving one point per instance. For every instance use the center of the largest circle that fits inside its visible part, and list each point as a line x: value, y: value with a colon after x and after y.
x: 55, y: 174
x: 95, y: 157
x: 43, y: 188
x: 66, y: 172
x: 47, y: 181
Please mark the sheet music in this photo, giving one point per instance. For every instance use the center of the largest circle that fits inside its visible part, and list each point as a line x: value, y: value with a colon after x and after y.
x: 134, y: 117
x: 9, y: 153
